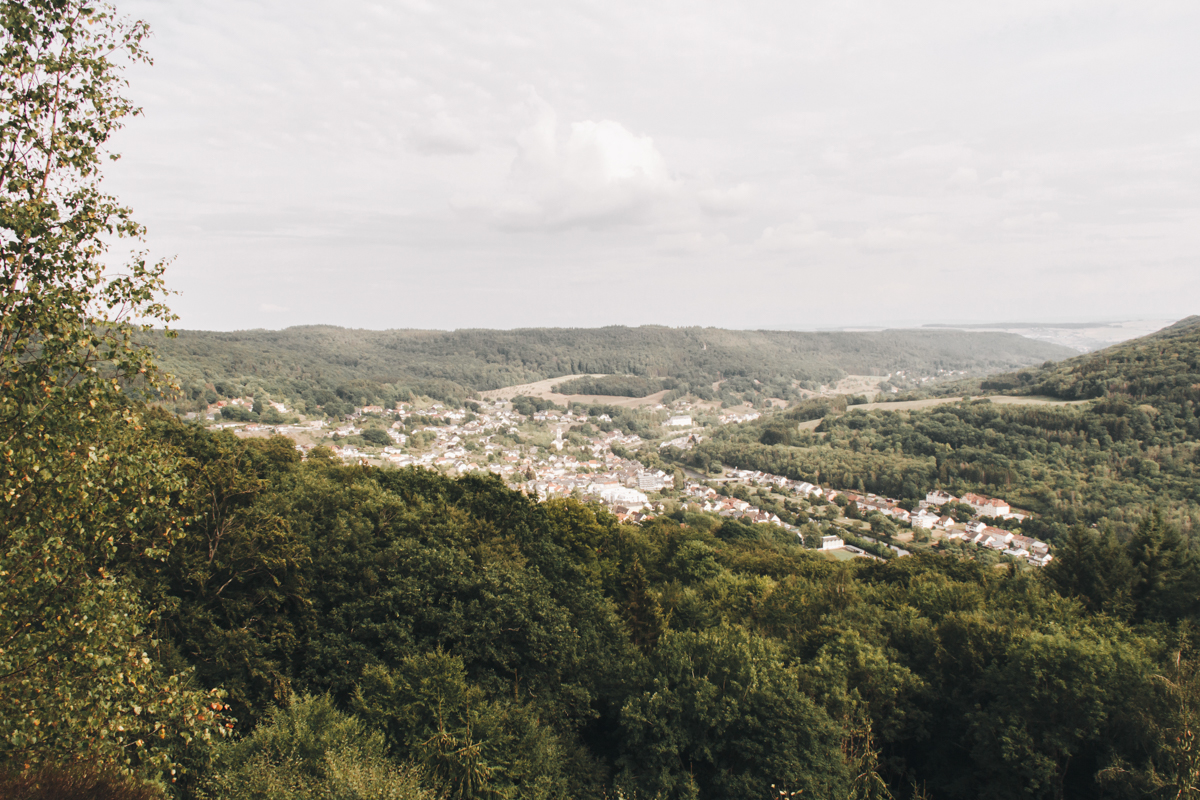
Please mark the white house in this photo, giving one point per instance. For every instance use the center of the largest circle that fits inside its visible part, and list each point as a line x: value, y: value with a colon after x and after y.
x: 680, y: 421
x: 996, y: 538
x: 832, y: 543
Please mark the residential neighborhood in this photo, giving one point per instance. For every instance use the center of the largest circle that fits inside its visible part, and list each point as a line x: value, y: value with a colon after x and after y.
x: 547, y: 454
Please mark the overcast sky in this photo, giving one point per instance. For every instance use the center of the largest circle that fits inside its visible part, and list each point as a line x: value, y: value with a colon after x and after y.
x: 753, y: 165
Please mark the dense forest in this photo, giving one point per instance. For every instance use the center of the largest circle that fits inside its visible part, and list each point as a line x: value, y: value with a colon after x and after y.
x: 322, y: 365
x: 616, y: 385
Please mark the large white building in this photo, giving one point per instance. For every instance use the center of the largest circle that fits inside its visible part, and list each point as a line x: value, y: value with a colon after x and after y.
x: 986, y: 506
x: 616, y: 494
x: 651, y: 481
x: 940, y: 498
x: 923, y: 519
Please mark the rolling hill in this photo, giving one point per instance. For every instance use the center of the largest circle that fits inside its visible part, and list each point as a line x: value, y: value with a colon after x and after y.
x: 306, y: 361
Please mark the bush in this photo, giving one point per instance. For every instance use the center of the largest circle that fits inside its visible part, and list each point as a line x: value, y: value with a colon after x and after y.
x: 376, y: 437
x: 75, y: 782
x: 238, y: 414
x: 310, y: 751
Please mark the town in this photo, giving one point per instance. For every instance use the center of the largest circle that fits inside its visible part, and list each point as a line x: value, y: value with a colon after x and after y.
x: 552, y: 452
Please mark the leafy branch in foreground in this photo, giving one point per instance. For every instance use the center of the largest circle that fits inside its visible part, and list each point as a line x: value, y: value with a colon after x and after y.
x: 80, y: 489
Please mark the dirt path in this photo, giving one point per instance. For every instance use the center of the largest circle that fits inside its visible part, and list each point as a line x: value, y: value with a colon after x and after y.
x: 914, y: 405
x: 542, y: 389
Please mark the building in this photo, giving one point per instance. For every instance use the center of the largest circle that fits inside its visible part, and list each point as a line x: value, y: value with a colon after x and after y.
x: 650, y: 481
x: 832, y: 543
x: 614, y: 493
x: 986, y: 506
x: 924, y: 519
x: 680, y: 421
x: 940, y: 498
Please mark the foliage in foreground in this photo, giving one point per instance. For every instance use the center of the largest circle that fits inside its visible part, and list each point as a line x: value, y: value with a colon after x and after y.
x: 310, y: 751
x: 81, y: 492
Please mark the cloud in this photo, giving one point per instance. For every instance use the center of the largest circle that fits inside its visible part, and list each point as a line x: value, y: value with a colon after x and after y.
x: 442, y: 136
x: 913, y: 232
x: 724, y: 202
x: 803, y: 234
x: 1031, y: 221
x: 964, y: 178
x: 689, y: 243
x: 586, y: 174
x: 441, y: 133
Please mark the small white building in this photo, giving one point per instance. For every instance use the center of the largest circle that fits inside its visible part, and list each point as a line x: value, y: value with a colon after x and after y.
x: 680, y: 421
x: 832, y: 543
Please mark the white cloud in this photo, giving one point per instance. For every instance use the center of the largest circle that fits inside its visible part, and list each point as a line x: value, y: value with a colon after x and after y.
x: 724, y: 202
x: 586, y: 174
x: 1031, y: 221
x: 964, y: 178
x: 803, y: 234
x: 914, y: 232
x: 689, y: 243
x: 442, y: 135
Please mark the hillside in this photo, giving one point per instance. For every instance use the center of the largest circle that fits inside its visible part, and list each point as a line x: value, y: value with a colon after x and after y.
x: 1106, y: 463
x: 354, y: 364
x: 1164, y: 366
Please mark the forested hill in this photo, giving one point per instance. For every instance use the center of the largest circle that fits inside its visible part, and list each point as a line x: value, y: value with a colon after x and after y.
x: 1105, y: 464
x: 1161, y: 367
x: 294, y: 360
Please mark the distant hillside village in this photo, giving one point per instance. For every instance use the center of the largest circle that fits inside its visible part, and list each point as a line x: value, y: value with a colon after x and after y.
x: 552, y: 452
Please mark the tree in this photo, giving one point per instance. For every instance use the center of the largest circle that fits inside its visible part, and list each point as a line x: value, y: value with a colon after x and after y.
x: 311, y: 751
x: 377, y: 437
x: 1166, y: 583
x: 1095, y: 568
x: 81, y: 488
x: 722, y: 716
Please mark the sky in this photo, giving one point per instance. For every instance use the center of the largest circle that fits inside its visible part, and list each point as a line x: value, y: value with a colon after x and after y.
x: 463, y: 164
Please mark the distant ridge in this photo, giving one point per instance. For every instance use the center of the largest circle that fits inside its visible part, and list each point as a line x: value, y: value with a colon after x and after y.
x: 1185, y: 324
x: 355, y: 363
x: 1010, y: 325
